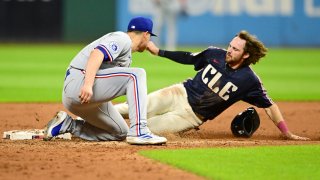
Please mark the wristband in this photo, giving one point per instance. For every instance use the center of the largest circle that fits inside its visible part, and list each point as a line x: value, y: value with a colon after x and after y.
x: 283, y: 127
x: 161, y: 53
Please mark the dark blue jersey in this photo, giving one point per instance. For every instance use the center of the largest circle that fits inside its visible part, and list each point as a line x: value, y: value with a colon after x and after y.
x: 216, y: 86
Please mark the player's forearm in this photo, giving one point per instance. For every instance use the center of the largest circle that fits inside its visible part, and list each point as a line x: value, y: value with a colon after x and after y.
x: 277, y: 118
x: 177, y: 56
x: 274, y: 113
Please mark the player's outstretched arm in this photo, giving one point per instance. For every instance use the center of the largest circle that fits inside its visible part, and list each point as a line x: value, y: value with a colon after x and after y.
x: 181, y: 57
x: 276, y: 116
x: 152, y: 48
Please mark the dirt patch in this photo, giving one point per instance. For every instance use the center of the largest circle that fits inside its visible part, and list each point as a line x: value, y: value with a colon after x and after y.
x: 77, y: 159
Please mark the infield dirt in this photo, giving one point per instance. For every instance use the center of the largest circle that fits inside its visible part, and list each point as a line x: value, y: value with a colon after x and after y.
x: 78, y: 159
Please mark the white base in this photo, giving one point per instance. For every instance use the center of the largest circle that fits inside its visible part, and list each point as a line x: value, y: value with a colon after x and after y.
x: 30, y: 134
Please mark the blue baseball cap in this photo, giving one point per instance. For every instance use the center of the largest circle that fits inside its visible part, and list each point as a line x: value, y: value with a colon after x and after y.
x: 141, y: 24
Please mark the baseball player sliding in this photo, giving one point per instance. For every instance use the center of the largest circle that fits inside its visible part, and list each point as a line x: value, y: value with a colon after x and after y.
x: 99, y: 73
x: 223, y: 78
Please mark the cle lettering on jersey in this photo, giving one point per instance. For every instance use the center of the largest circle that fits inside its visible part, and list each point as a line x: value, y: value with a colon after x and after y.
x: 210, y: 77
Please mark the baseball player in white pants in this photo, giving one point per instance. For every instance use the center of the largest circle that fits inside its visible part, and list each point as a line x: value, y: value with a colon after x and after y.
x: 99, y: 73
x: 167, y: 115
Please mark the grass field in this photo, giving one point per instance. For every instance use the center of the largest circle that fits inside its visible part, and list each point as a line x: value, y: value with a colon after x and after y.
x: 267, y: 162
x: 35, y: 73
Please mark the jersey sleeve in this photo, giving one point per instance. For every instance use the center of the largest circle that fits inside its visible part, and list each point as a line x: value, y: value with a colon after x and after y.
x: 258, y: 97
x: 181, y: 57
x: 199, y: 60
x: 112, y: 45
x: 202, y: 59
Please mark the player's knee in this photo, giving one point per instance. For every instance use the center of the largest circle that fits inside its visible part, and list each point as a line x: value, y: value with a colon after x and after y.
x: 140, y: 72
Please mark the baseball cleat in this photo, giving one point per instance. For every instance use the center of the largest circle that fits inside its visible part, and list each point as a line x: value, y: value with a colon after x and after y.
x: 146, y: 139
x: 54, y: 125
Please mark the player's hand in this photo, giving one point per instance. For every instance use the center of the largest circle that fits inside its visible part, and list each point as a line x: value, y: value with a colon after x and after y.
x: 85, y: 94
x: 152, y: 48
x: 291, y: 136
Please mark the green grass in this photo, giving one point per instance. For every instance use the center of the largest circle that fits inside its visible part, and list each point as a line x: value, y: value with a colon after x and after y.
x: 269, y: 162
x: 35, y: 73
x: 291, y: 74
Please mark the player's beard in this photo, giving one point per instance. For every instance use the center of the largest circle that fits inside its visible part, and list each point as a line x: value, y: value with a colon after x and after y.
x: 230, y: 59
x: 233, y: 60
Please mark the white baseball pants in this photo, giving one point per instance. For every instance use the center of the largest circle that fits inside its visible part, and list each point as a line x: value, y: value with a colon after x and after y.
x: 168, y: 111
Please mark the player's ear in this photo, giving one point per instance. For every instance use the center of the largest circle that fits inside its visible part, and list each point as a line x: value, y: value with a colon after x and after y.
x: 246, y: 55
x: 146, y: 35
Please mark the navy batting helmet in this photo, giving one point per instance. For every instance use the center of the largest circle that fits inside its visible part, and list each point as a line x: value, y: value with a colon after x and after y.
x: 245, y: 123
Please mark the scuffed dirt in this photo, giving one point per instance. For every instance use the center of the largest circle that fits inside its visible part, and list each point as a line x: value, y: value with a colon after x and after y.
x: 78, y: 159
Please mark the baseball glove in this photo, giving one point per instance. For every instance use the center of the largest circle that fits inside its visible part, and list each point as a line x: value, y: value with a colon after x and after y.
x: 245, y: 123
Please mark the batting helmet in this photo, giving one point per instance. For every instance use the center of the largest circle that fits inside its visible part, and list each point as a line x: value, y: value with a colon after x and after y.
x: 245, y: 123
